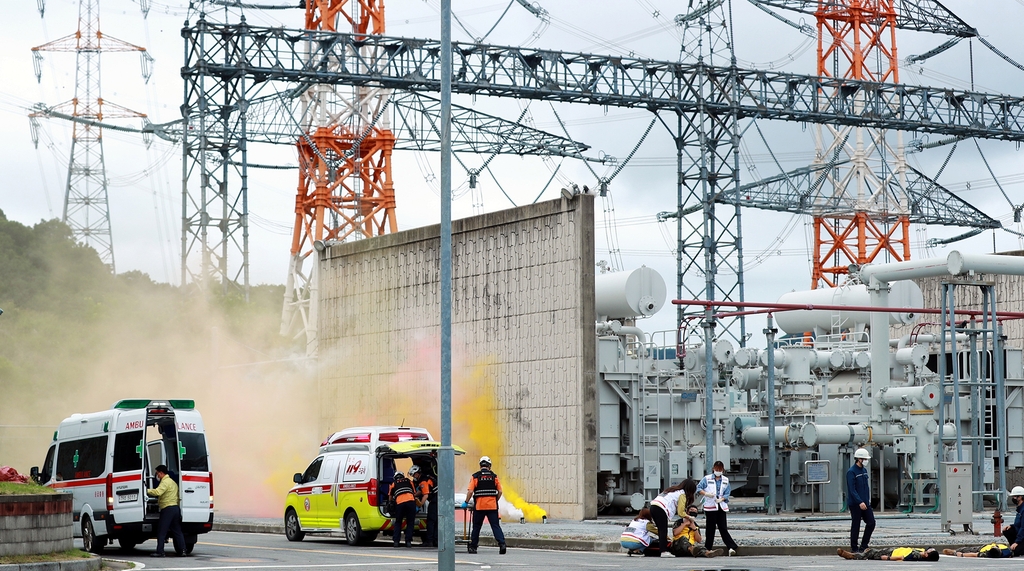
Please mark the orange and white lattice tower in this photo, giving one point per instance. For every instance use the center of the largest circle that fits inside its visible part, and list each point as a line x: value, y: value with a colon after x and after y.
x: 86, y: 206
x: 864, y: 215
x: 345, y: 189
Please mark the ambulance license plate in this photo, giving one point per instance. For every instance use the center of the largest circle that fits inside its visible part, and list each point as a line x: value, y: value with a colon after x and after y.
x: 128, y: 497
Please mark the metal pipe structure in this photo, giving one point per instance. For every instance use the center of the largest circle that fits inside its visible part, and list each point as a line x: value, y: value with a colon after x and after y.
x: 761, y: 435
x: 772, y: 457
x: 999, y: 371
x: 772, y: 307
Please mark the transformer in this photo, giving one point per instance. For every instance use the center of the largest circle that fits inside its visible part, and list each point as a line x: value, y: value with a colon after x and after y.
x: 836, y: 387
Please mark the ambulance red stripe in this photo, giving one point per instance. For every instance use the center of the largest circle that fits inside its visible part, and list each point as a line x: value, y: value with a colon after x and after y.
x: 96, y: 481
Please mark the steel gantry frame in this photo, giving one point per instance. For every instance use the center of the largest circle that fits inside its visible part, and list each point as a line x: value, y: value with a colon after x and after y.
x: 223, y: 55
x: 224, y: 114
x: 229, y: 52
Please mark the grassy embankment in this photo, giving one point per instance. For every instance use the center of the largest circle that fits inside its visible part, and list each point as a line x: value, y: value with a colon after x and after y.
x: 16, y: 489
x: 69, y: 555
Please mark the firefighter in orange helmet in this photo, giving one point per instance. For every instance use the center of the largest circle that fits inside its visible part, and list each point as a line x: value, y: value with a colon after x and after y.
x: 486, y: 487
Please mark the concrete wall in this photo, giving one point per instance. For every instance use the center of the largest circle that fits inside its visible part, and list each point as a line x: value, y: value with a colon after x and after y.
x: 523, y: 344
x: 32, y: 524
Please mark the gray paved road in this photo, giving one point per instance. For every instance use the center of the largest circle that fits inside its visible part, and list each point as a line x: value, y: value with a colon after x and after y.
x: 222, y: 551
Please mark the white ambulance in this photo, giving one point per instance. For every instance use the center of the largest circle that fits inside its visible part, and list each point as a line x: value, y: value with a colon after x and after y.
x: 345, y: 488
x: 107, y: 460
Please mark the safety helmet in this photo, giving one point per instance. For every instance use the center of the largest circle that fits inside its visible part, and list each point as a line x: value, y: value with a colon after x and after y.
x: 399, y: 475
x: 485, y: 460
x: 1017, y: 491
x: 414, y: 470
x: 862, y: 453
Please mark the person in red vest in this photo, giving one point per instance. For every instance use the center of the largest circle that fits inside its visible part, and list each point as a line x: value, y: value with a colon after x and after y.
x: 486, y: 487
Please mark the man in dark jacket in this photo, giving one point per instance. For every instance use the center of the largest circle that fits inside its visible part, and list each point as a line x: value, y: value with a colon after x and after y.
x: 858, y: 499
x: 1014, y: 534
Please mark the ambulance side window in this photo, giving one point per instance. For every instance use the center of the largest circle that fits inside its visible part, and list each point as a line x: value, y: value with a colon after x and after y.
x: 47, y: 472
x: 330, y: 469
x: 313, y: 472
x: 194, y: 457
x: 85, y: 458
x: 128, y: 451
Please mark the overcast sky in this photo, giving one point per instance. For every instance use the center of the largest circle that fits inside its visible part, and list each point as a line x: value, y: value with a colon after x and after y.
x: 145, y: 184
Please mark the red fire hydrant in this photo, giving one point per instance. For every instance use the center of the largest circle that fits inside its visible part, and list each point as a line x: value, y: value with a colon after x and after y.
x: 997, y: 522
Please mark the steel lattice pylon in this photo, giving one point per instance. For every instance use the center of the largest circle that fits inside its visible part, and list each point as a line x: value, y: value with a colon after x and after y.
x: 86, y: 206
x: 860, y: 190
x: 345, y: 187
x: 857, y: 40
x: 710, y: 255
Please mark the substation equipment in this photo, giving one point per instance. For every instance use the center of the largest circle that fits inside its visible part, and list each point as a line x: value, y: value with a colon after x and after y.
x: 836, y: 386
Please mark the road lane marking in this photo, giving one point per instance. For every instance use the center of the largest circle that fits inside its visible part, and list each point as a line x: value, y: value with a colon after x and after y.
x: 337, y: 552
x: 281, y: 566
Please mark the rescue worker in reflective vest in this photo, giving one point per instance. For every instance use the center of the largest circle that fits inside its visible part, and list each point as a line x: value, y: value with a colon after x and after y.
x: 486, y: 487
x: 166, y: 495
x: 404, y: 498
x: 426, y: 493
x: 714, y: 489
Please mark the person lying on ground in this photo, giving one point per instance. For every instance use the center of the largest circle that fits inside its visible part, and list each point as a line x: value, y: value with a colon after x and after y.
x: 686, y: 540
x: 893, y: 554
x: 993, y: 550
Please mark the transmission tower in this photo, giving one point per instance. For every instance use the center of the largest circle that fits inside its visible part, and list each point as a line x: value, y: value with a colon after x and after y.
x: 860, y: 190
x: 86, y: 205
x: 707, y: 164
x: 857, y: 40
x: 345, y: 188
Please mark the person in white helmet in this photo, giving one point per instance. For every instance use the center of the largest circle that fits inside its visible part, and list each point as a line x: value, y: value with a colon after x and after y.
x: 1014, y: 533
x: 858, y: 499
x: 404, y: 498
x: 426, y: 493
x: 487, y: 489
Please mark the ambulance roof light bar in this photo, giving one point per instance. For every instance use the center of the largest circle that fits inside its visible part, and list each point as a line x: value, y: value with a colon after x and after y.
x: 151, y: 404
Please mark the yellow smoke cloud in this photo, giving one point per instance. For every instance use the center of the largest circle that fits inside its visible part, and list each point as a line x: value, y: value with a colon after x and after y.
x: 479, y: 415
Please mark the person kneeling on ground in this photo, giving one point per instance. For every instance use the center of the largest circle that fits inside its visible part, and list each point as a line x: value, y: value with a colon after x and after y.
x: 893, y: 554
x: 686, y: 540
x: 993, y: 550
x: 636, y: 537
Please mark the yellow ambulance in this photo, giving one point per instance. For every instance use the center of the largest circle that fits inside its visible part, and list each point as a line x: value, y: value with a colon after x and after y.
x: 346, y: 486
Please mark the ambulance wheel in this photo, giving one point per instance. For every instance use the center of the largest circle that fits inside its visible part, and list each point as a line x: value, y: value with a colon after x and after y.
x: 89, y: 541
x: 190, y: 543
x: 127, y: 544
x: 292, y: 529
x: 353, y: 531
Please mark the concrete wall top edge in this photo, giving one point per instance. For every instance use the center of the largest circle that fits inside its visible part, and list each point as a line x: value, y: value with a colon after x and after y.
x: 473, y: 223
